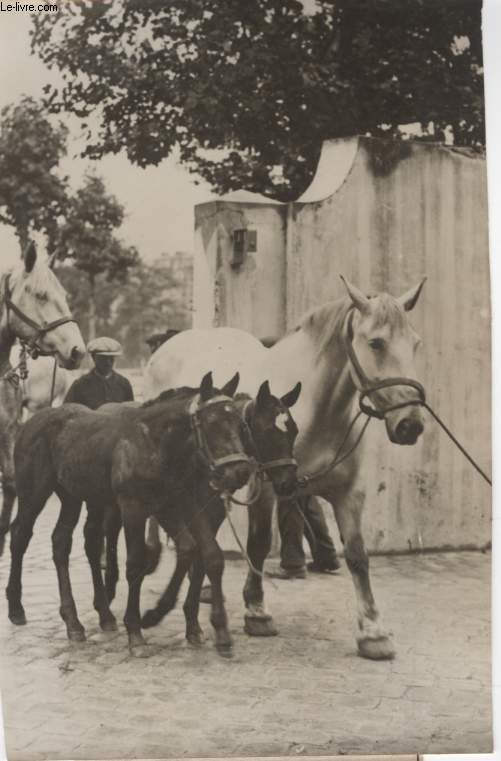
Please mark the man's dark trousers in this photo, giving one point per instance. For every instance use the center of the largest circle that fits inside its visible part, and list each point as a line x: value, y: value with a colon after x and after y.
x: 304, y: 518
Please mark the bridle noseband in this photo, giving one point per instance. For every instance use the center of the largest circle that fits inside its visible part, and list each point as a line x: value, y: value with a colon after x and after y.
x: 41, y: 330
x: 196, y: 409
x: 368, y: 387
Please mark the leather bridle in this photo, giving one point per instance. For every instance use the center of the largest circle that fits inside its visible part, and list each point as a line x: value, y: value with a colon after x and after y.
x: 41, y: 330
x: 265, y: 465
x: 196, y: 410
x: 367, y: 387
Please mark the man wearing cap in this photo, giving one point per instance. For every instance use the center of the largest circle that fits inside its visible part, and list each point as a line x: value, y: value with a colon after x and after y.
x: 102, y: 384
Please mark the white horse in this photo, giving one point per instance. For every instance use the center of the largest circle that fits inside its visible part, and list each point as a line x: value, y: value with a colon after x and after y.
x: 41, y: 388
x: 337, y: 351
x: 33, y: 308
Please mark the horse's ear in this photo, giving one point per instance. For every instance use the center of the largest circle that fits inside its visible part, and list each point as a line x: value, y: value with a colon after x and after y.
x: 206, y: 387
x: 292, y: 396
x: 230, y: 387
x: 263, y: 395
x: 30, y: 256
x: 409, y: 299
x: 359, y: 300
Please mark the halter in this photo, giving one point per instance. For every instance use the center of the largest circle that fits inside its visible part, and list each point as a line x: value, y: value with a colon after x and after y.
x: 196, y: 408
x: 368, y: 387
x: 41, y: 330
x: 268, y: 464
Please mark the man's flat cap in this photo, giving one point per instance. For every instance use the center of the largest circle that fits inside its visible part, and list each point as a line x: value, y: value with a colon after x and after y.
x: 104, y: 345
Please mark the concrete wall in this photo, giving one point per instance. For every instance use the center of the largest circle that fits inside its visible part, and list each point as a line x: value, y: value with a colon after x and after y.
x: 384, y: 214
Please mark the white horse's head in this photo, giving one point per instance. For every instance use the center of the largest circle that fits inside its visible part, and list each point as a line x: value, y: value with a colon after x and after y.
x: 384, y: 345
x: 36, y: 310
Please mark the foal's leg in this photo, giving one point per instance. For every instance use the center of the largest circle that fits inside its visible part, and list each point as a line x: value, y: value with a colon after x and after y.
x: 153, y: 545
x: 94, y: 533
x: 258, y: 622
x: 134, y: 523
x: 8, y: 483
x: 62, y: 538
x: 185, y: 552
x: 194, y: 632
x: 30, y: 505
x: 213, y: 560
x: 113, y: 525
x: 372, y: 640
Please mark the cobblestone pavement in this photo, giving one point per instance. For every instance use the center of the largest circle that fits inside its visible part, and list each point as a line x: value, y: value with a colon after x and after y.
x: 304, y: 692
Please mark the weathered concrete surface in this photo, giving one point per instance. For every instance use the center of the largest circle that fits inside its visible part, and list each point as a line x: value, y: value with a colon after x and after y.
x: 304, y: 692
x: 402, y: 210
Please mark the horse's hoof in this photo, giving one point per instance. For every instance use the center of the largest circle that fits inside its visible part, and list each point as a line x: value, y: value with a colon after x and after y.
x: 260, y: 627
x: 109, y: 625
x: 225, y: 649
x: 378, y: 649
x: 18, y: 617
x: 151, y: 618
x: 140, y: 651
x: 76, y: 635
x: 196, y: 637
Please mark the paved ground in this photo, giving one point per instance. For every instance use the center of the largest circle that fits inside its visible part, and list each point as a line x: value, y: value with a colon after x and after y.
x: 304, y: 692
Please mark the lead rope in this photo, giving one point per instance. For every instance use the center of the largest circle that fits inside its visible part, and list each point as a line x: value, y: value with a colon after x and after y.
x: 227, y: 500
x: 53, y: 387
x: 337, y: 460
x: 457, y: 443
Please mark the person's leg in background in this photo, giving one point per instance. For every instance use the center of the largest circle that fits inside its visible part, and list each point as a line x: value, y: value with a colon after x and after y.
x: 291, y: 528
x: 317, y: 535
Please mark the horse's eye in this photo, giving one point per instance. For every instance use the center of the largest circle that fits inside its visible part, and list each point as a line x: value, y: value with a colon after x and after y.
x: 376, y: 343
x: 42, y: 296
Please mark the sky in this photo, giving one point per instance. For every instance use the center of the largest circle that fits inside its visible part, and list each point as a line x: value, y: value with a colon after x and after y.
x: 159, y: 201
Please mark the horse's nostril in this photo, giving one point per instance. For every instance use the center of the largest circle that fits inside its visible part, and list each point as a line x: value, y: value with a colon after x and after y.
x: 409, y: 430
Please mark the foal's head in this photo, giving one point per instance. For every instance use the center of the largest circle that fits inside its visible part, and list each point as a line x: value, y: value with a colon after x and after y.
x: 38, y: 303
x: 274, y: 432
x: 217, y: 427
x: 385, y: 343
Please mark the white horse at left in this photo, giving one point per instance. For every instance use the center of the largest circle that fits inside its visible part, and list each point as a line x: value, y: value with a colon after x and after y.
x: 40, y: 389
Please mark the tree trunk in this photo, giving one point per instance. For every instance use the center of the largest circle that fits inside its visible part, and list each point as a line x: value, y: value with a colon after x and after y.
x: 23, y: 235
x: 92, y: 308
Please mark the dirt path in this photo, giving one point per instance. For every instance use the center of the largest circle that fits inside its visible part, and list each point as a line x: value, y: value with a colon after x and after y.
x: 305, y: 691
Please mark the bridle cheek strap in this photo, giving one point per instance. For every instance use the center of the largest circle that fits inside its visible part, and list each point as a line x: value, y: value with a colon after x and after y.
x: 41, y: 330
x: 368, y: 387
x: 213, y: 463
x: 266, y: 465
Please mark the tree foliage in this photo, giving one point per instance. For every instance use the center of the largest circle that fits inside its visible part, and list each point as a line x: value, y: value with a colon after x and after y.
x: 33, y: 194
x: 89, y: 238
x: 266, y: 81
x: 131, y: 311
x: 148, y: 303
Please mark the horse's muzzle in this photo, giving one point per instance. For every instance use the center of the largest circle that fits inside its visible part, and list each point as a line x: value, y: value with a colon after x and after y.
x: 287, y: 485
x: 407, y: 431
x: 233, y: 476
